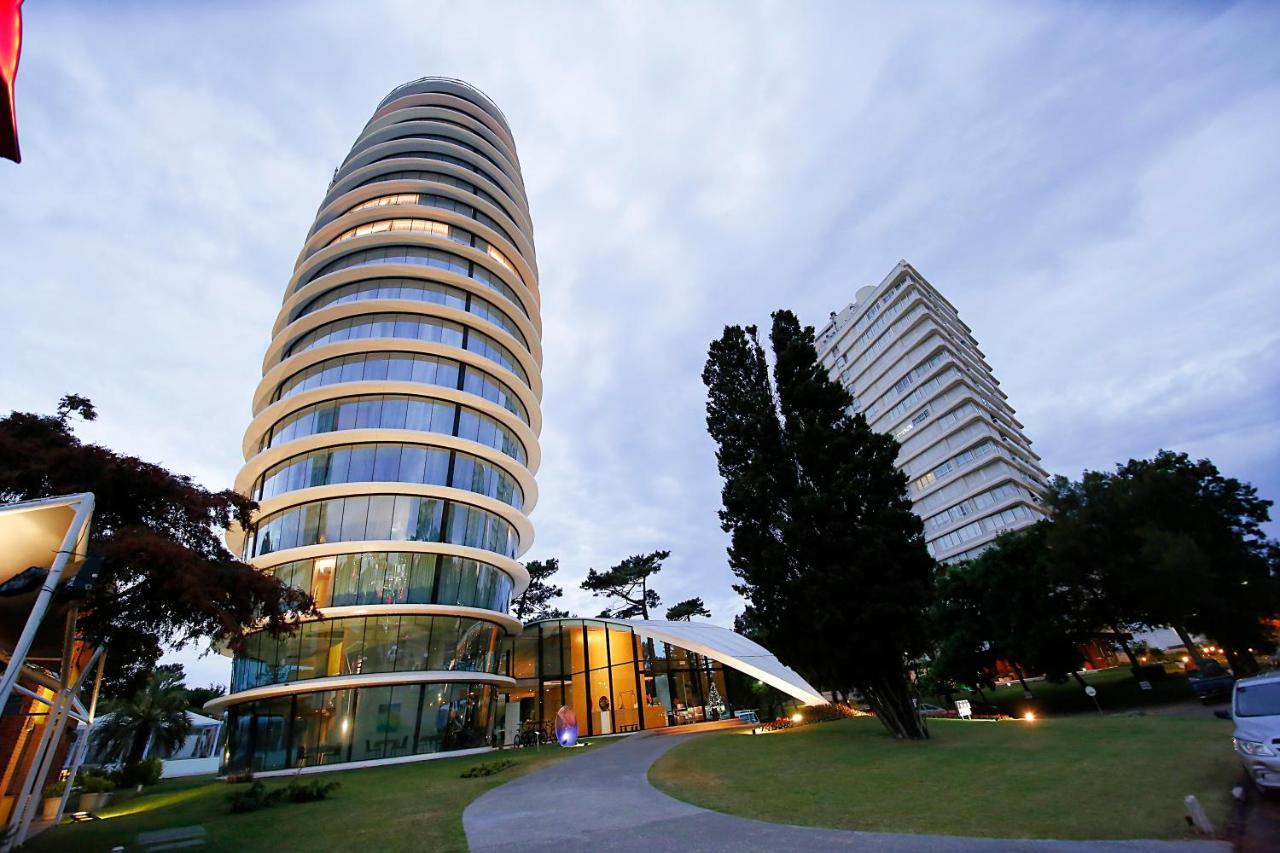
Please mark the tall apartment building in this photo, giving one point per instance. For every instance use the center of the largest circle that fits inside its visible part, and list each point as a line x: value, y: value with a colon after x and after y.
x: 914, y: 370
x: 393, y: 446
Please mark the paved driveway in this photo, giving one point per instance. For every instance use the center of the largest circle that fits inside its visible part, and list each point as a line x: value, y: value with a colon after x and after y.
x: 602, y: 801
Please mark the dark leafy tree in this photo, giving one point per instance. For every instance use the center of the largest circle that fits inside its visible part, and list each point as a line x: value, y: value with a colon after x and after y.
x: 965, y: 655
x: 198, y: 696
x: 685, y: 610
x: 1010, y: 603
x: 1170, y: 541
x: 535, y: 602
x: 165, y: 575
x: 155, y: 714
x: 831, y: 558
x: 628, y: 583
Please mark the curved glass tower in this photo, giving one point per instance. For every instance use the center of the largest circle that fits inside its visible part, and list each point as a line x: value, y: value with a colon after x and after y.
x: 393, y: 446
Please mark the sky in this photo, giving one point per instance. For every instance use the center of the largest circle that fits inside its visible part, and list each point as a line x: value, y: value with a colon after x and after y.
x: 1094, y: 186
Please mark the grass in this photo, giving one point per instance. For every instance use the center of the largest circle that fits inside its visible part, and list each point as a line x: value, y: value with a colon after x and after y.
x: 403, y: 807
x: 1083, y: 777
x: 1117, y: 690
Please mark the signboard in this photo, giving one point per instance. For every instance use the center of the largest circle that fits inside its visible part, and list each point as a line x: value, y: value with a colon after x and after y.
x: 1091, y: 691
x: 1145, y: 685
x: 964, y: 709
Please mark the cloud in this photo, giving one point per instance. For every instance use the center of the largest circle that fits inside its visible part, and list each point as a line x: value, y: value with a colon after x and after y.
x: 1093, y: 188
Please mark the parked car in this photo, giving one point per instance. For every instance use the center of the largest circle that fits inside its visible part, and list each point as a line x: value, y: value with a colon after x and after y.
x: 1211, y: 682
x: 1255, y: 710
x: 927, y: 710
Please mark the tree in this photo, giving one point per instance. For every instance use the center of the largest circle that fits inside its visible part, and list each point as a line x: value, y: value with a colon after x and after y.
x: 197, y: 697
x: 831, y: 558
x: 1170, y: 541
x: 628, y: 582
x: 687, y: 609
x: 155, y: 715
x: 165, y: 574
x: 965, y: 654
x: 534, y: 602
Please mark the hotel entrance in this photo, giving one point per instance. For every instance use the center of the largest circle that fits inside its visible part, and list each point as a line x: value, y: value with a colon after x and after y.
x: 615, y: 680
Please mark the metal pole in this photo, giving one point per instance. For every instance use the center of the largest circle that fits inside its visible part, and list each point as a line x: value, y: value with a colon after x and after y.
x: 27, y: 800
x: 25, y: 803
x: 25, y: 806
x: 82, y: 746
x: 84, y: 511
x: 77, y: 757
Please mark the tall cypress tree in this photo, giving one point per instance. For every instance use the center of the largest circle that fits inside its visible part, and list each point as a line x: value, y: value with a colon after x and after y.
x: 832, y: 559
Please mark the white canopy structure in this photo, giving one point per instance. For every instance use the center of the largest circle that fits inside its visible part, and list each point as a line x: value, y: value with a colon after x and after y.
x: 729, y: 648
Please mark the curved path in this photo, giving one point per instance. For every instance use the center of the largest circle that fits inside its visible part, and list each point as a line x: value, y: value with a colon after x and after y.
x: 603, y: 801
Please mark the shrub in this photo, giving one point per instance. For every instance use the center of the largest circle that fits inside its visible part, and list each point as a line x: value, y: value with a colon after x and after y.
x: 488, y: 769
x: 829, y: 712
x: 145, y: 772
x: 54, y: 790
x: 239, y: 777
x: 309, y: 792
x: 92, y: 783
x: 776, y: 725
x: 253, y: 798
x: 256, y: 796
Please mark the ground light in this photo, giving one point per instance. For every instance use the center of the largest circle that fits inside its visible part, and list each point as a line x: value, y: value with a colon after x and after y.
x: 1030, y: 716
x: 796, y: 718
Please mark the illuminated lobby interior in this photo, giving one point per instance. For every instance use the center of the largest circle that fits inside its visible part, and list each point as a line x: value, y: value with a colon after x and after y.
x: 650, y: 675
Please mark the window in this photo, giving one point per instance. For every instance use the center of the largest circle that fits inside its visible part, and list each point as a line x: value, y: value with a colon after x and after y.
x: 419, y: 256
x: 413, y: 327
x: 371, y: 517
x: 422, y: 369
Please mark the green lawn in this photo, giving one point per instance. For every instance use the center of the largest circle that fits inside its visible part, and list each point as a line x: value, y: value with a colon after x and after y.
x: 404, y: 807
x: 1117, y: 690
x: 1083, y: 777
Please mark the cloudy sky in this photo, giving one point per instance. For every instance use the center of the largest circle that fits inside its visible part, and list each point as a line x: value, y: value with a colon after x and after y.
x: 1096, y: 187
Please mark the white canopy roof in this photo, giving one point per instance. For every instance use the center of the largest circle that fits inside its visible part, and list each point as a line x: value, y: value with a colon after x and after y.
x: 729, y: 648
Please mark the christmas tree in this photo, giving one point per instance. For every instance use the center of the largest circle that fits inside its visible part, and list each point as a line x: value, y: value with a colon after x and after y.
x: 713, y: 698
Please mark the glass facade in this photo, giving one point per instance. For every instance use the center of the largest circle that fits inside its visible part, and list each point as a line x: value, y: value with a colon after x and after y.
x: 364, y: 724
x: 615, y: 681
x: 404, y: 367
x: 487, y: 174
x: 356, y: 645
x: 398, y: 577
x: 396, y: 411
x: 435, y: 228
x: 438, y: 178
x: 424, y: 257
x: 387, y: 462
x: 417, y: 291
x: 413, y: 327
x: 402, y: 518
x: 437, y: 201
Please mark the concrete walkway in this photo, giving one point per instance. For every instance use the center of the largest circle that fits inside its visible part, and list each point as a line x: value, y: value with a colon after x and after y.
x: 602, y: 801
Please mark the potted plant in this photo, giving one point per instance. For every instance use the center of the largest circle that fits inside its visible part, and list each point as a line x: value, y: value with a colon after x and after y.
x: 52, y: 799
x: 95, y: 791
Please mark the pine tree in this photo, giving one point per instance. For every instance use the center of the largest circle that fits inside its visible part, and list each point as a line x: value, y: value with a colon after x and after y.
x: 628, y: 582
x: 832, y: 559
x: 535, y: 602
x: 684, y: 611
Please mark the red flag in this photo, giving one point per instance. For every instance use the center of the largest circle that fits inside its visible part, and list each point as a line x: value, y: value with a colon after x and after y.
x: 10, y: 48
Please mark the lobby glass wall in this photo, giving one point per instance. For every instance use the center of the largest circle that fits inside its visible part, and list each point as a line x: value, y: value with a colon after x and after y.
x: 398, y: 577
x: 359, y: 645
x: 366, y: 724
x: 616, y: 681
